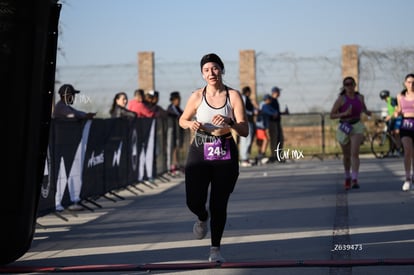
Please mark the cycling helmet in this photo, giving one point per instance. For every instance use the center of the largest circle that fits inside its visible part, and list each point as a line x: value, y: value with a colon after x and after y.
x: 384, y: 94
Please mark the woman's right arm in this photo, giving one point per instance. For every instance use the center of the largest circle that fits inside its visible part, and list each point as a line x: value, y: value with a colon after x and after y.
x: 335, y: 109
x: 398, y: 110
x: 186, y: 119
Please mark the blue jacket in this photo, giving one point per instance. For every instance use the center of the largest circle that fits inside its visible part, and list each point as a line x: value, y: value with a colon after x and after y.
x: 266, y: 113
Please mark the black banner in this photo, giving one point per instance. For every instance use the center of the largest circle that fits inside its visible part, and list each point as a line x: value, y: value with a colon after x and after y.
x: 62, y: 164
x: 93, y: 164
x: 90, y: 158
x: 28, y: 39
x: 117, y: 154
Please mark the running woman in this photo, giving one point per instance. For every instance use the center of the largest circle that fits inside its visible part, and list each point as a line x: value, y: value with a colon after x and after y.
x: 212, y: 113
x: 405, y: 108
x: 348, y: 108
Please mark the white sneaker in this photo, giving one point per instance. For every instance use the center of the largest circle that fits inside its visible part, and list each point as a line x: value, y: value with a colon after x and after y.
x: 200, y: 229
x: 264, y: 160
x: 215, y: 256
x: 245, y: 163
x: 406, y: 186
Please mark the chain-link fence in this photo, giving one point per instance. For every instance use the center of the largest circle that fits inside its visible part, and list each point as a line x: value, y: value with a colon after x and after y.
x: 309, y: 84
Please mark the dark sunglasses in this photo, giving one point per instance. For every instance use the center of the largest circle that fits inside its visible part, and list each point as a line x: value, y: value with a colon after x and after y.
x: 349, y: 84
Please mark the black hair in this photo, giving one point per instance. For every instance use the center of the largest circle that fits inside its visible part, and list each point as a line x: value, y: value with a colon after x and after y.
x: 348, y: 78
x: 404, y: 91
x: 246, y: 89
x: 139, y: 92
x: 116, y: 97
x: 174, y: 95
x: 211, y: 57
x: 408, y: 76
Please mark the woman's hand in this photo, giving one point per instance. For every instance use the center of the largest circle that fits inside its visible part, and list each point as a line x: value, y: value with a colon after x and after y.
x: 397, y: 114
x: 220, y: 120
x: 195, y: 125
x: 348, y: 111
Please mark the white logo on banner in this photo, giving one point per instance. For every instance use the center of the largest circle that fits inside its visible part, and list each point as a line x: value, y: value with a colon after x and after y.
x: 95, y: 160
x: 146, y: 157
x: 117, y: 156
x: 74, y: 180
x: 45, y: 189
x: 134, y: 149
x: 60, y: 184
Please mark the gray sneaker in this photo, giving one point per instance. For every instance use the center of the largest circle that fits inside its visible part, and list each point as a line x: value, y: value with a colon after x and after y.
x: 215, y: 256
x: 200, y: 229
x: 75, y: 207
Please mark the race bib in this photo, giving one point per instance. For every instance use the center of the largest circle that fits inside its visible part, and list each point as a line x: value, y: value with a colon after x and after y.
x: 217, y: 150
x: 345, y: 127
x: 407, y: 124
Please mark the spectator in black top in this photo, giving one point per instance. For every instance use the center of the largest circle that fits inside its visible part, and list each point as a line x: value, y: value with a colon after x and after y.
x: 275, y: 125
x: 152, y: 98
x: 119, y: 106
x: 175, y: 134
x: 246, y: 142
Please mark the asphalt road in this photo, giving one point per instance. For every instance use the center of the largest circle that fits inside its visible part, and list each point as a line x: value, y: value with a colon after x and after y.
x: 291, y: 218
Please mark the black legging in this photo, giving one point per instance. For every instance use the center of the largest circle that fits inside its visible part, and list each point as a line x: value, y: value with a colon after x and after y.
x: 222, y: 175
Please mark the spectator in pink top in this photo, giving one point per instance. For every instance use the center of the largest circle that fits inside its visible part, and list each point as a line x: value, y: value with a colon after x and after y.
x: 138, y: 105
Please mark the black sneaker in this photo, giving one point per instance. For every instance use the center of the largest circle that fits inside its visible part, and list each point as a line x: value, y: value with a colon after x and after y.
x: 355, y: 184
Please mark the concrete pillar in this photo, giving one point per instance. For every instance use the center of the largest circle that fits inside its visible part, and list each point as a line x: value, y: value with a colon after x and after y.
x: 146, y: 72
x: 350, y: 63
x: 247, y: 71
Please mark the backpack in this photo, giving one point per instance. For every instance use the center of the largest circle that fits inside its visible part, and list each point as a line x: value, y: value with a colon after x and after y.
x: 394, y: 101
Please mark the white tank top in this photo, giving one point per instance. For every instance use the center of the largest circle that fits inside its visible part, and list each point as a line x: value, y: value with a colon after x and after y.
x: 205, y: 111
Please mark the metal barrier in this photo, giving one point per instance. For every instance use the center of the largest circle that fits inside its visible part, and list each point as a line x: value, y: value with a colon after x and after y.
x: 315, y: 133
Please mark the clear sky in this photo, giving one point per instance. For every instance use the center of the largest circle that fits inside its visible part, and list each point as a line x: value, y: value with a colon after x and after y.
x: 100, y: 39
x: 113, y: 31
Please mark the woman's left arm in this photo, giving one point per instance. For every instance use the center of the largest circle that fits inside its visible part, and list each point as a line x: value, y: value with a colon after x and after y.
x: 364, y: 107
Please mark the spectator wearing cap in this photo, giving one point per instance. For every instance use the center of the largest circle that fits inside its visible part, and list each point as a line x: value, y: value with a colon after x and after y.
x: 266, y: 113
x: 149, y: 98
x: 174, y: 110
x: 152, y: 99
x: 246, y: 142
x: 275, y: 125
x: 138, y: 105
x: 63, y: 108
x: 175, y: 134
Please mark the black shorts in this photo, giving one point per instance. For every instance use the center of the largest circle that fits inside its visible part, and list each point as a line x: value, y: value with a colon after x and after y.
x: 406, y: 133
